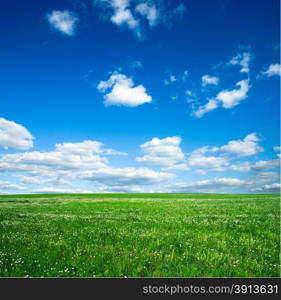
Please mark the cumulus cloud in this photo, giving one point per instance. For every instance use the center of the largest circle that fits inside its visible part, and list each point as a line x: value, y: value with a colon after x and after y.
x: 165, y: 153
x: 227, y: 98
x: 268, y: 188
x: 15, y: 136
x: 231, y: 98
x: 209, y: 80
x: 224, y: 184
x: 63, y: 21
x: 123, y: 92
x: 264, y: 177
x: 149, y: 11
x: 135, y: 15
x: 203, y: 109
x: 242, y: 60
x: 263, y: 165
x: 122, y: 15
x: 247, y: 146
x: 199, y: 159
x: 214, y: 185
x: 40, y: 181
x: 273, y: 70
x: 127, y: 176
x: 65, y: 158
x: 228, y: 157
x: 84, y: 161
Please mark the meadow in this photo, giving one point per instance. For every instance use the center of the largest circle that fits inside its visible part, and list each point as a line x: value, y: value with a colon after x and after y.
x: 139, y: 235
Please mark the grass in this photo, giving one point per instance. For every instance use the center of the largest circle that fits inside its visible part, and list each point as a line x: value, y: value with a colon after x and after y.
x: 139, y: 235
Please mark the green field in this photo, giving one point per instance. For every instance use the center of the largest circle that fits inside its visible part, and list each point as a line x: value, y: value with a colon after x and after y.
x: 140, y: 235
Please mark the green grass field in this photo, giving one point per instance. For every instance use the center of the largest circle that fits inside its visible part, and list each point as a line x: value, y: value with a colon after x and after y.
x: 140, y: 235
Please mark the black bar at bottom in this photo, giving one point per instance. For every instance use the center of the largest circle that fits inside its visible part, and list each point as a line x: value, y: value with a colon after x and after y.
x: 138, y: 288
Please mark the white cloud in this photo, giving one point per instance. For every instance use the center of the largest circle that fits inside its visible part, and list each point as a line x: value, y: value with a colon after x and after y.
x: 263, y: 165
x: 208, y: 185
x: 241, y: 167
x: 148, y: 11
x: 120, y: 189
x: 227, y: 98
x: 264, y: 177
x: 123, y: 92
x: 165, y: 153
x: 5, y: 185
x: 172, y: 78
x: 63, y: 21
x: 66, y: 158
x: 268, y: 188
x: 248, y: 146
x: 136, y: 14
x: 123, y: 16
x: 273, y: 70
x: 84, y: 161
x: 126, y: 176
x: 39, y: 180
x: 209, y: 80
x: 224, y: 184
x: 13, y: 135
x: 243, y: 60
x: 198, y: 159
x: 203, y: 109
x: 231, y: 98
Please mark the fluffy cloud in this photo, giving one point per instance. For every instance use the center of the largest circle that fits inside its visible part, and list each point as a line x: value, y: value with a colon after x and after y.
x: 273, y: 70
x: 248, y: 146
x: 242, y: 60
x: 63, y: 21
x: 231, y: 98
x: 123, y: 92
x: 198, y: 159
x: 268, y: 188
x: 209, y: 185
x: 122, y: 15
x: 148, y: 11
x: 83, y: 161
x: 263, y: 165
x: 165, y: 153
x: 227, y: 98
x: 66, y: 158
x: 203, y: 109
x: 126, y: 176
x: 217, y: 185
x: 13, y: 135
x: 264, y: 177
x: 212, y: 80
x: 134, y: 15
x: 39, y: 180
x: 221, y: 158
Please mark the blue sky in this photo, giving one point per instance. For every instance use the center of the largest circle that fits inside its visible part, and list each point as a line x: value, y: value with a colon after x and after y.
x: 139, y: 96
